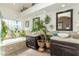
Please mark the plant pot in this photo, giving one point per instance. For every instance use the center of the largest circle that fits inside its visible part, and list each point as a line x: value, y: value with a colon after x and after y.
x: 41, y: 44
x: 47, y: 44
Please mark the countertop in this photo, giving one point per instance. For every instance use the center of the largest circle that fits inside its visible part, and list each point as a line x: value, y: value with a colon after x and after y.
x: 34, y: 34
x: 71, y: 40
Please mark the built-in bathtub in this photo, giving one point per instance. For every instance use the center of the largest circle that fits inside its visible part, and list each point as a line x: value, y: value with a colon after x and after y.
x: 12, y: 45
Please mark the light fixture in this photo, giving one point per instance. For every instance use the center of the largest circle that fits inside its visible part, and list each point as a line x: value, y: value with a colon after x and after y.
x: 63, y: 5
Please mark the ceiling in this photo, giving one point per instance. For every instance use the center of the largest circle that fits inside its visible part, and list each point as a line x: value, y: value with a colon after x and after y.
x: 37, y: 9
x: 52, y: 8
x: 17, y: 6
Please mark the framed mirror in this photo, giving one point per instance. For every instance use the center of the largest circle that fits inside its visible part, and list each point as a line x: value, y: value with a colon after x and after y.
x: 34, y: 26
x: 64, y: 20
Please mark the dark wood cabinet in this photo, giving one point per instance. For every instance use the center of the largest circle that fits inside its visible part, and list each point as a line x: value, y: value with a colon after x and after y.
x: 31, y: 41
x: 60, y: 48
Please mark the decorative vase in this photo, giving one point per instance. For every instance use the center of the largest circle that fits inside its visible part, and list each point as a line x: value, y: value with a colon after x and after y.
x: 41, y: 44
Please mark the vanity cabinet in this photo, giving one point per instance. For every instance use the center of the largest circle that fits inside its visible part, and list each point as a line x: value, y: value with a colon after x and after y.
x: 31, y: 41
x: 61, y: 48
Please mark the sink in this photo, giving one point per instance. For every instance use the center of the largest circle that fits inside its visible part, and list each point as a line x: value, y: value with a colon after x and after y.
x: 63, y: 35
x: 75, y: 35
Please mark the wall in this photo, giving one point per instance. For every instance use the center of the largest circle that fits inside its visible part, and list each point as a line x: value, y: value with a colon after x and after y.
x: 7, y: 13
x: 52, y: 14
x: 11, y: 14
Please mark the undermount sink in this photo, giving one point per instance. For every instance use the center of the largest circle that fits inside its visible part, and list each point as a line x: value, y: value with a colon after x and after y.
x: 63, y: 35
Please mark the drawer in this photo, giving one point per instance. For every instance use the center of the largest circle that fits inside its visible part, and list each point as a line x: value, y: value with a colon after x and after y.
x: 64, y: 46
x: 65, y: 43
x: 69, y: 52
x: 63, y: 50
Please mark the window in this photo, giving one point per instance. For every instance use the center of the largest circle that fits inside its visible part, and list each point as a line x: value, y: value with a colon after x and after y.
x: 0, y: 27
x: 13, y: 24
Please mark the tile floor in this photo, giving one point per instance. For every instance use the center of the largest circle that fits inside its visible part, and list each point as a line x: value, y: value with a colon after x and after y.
x: 18, y: 52
x: 31, y: 52
x: 28, y: 52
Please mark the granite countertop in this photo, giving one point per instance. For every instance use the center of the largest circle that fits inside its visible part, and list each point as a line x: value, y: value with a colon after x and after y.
x: 34, y: 34
x: 71, y: 40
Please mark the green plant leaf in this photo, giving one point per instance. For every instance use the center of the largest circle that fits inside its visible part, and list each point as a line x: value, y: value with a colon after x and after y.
x: 4, y: 29
x: 47, y: 19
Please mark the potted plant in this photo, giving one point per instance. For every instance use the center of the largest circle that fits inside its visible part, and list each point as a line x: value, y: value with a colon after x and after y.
x: 47, y: 19
x: 4, y: 30
x: 22, y: 33
x: 44, y: 30
x: 48, y: 41
x: 47, y: 37
x: 41, y: 43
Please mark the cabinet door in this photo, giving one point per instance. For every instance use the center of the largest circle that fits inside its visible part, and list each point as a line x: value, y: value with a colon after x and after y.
x: 30, y: 42
x: 56, y: 50
x: 63, y: 50
x: 67, y: 51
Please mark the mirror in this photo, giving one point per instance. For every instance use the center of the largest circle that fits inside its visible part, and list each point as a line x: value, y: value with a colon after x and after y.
x: 64, y: 20
x: 34, y: 26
